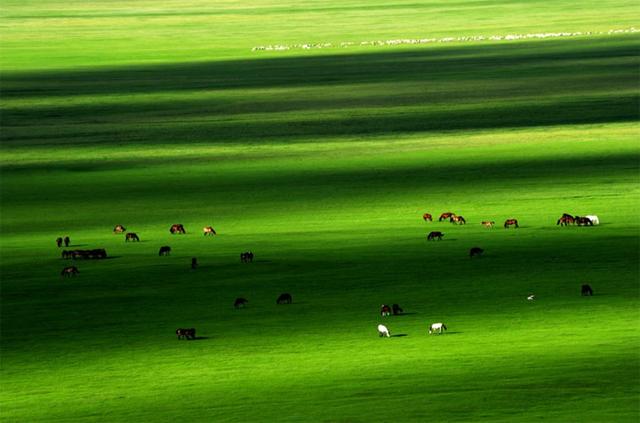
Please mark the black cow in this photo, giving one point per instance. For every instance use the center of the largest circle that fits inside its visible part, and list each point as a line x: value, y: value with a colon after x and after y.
x: 284, y: 299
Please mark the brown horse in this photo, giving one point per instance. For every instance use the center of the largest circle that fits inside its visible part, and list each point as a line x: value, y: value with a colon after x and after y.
x: 566, y: 220
x: 445, y: 216
x: 488, y: 224
x: 510, y: 222
x: 69, y: 271
x: 427, y: 217
x: 385, y: 310
x: 208, y: 230
x: 186, y: 333
x: 435, y: 234
x: 457, y: 220
x: 131, y: 236
x: 583, y: 221
x: 59, y: 242
x: 119, y: 229
x: 164, y: 251
x: 475, y: 251
x: 67, y: 241
x: 177, y: 228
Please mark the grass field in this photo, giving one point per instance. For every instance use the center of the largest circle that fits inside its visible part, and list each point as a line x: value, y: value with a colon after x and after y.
x: 321, y: 163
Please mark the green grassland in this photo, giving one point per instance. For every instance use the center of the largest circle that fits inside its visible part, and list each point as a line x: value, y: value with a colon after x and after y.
x: 321, y: 163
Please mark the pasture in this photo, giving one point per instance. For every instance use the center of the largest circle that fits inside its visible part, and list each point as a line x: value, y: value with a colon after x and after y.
x: 322, y: 164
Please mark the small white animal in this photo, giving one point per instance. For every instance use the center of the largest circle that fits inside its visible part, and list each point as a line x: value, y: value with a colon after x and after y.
x: 383, y: 331
x: 437, y: 327
x: 594, y: 219
x: 531, y: 297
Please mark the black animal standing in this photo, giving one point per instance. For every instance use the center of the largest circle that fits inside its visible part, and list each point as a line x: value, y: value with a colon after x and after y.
x: 475, y: 252
x: 59, y: 242
x: 194, y: 263
x: 284, y: 299
x: 435, y: 234
x: 164, y: 251
x: 586, y: 290
x: 395, y: 308
x: 240, y: 302
x: 131, y: 236
x: 186, y: 333
x: 67, y: 241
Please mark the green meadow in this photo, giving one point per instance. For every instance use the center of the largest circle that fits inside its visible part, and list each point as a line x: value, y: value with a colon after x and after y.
x: 321, y: 162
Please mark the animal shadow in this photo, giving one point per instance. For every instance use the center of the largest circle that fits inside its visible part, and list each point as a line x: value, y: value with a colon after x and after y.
x: 200, y: 338
x: 406, y: 314
x: 399, y: 335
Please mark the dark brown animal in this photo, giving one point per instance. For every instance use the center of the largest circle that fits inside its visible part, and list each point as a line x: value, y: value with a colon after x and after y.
x: 488, y: 224
x: 427, y: 217
x: 177, y: 228
x: 583, y: 221
x: 131, y: 236
x: 475, y: 251
x: 186, y: 333
x: 194, y: 262
x: 246, y: 257
x: 566, y: 220
x: 69, y: 271
x: 67, y: 241
x: 59, y: 242
x: 284, y: 299
x: 98, y: 253
x: 208, y: 230
x: 66, y: 254
x: 119, y: 229
x: 586, y: 290
x: 385, y: 310
x: 457, y: 220
x: 445, y: 216
x: 240, y: 302
x: 396, y: 309
x: 435, y: 234
x: 510, y: 222
x: 164, y: 251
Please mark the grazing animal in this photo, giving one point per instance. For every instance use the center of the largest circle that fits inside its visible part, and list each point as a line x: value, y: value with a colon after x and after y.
x: 510, y: 222
x: 396, y: 309
x: 186, y: 333
x: 240, y: 302
x: 488, y: 224
x: 66, y: 254
x: 67, y: 241
x: 566, y: 220
x: 119, y: 229
x: 69, y: 271
x: 459, y: 220
x: 586, y: 290
x: 383, y: 331
x: 475, y: 251
x: 99, y: 253
x: 194, y: 262
x: 131, y: 236
x: 164, y: 251
x: 208, y: 230
x: 427, y: 217
x: 177, y: 228
x: 385, y: 310
x: 583, y: 221
x: 59, y: 242
x: 446, y: 215
x: 594, y: 219
x: 531, y: 297
x: 439, y: 327
x: 246, y: 257
x: 435, y: 234
x: 284, y: 299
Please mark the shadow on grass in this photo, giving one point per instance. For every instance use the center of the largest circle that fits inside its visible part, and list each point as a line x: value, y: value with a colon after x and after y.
x: 399, y: 335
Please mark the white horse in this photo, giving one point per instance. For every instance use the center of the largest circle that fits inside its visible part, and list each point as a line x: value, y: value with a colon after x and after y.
x: 594, y: 219
x: 437, y: 327
x: 383, y: 331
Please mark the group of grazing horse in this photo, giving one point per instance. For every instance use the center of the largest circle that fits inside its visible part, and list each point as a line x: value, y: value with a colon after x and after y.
x: 460, y: 220
x: 66, y: 241
x: 186, y: 333
x: 566, y: 219
x: 246, y: 257
x: 284, y: 298
x: 98, y: 253
x: 385, y: 310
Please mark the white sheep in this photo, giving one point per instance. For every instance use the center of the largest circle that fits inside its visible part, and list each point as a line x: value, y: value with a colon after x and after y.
x: 383, y: 331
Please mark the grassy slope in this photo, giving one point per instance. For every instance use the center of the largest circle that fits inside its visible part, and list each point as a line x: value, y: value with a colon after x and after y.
x: 322, y: 166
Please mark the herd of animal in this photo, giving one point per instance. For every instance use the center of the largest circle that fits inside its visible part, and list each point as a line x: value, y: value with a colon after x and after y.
x: 285, y: 298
